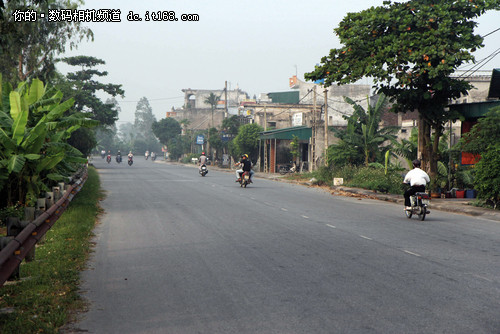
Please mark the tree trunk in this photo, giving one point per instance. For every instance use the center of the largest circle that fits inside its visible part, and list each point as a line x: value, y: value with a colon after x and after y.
x: 428, y: 150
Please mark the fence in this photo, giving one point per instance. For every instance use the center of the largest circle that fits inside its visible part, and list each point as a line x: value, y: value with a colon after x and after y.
x: 19, y: 246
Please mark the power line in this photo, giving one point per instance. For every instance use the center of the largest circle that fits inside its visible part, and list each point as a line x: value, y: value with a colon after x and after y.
x: 158, y: 99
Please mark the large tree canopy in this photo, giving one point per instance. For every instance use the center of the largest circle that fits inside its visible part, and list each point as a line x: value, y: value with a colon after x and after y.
x: 28, y: 49
x: 82, y: 86
x: 410, y: 49
x: 166, y: 129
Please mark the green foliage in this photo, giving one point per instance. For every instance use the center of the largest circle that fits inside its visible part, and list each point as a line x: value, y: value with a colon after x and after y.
x: 372, y: 177
x: 166, y: 129
x: 83, y: 87
x: 408, y: 148
x: 188, y: 158
x: 375, y: 179
x: 410, y: 49
x: 483, y: 134
x: 361, y: 142
x: 33, y: 135
x: 295, y: 147
x: 212, y: 100
x: 28, y: 50
x: 177, y: 146
x: 247, y: 141
x: 487, y: 177
x: 215, y: 140
x: 231, y: 125
x: 49, y: 299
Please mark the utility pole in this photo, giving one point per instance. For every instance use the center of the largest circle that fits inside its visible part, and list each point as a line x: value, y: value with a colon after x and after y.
x: 326, y: 126
x: 266, y: 169
x: 313, y: 134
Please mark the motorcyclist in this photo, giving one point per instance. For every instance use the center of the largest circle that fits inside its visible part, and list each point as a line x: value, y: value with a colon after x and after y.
x: 130, y: 155
x: 153, y: 156
x: 119, y: 156
x: 202, y: 160
x: 103, y: 153
x: 417, y: 179
x: 245, y: 166
x: 146, y: 154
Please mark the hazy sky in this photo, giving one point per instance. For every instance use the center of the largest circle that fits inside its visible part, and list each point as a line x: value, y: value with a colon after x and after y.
x: 256, y: 45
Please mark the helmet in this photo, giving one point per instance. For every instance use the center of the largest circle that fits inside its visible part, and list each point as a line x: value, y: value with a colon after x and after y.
x: 244, y: 156
x: 416, y: 163
x: 202, y: 153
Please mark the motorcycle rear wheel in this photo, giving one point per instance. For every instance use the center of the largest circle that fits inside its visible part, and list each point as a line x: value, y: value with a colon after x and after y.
x: 421, y: 216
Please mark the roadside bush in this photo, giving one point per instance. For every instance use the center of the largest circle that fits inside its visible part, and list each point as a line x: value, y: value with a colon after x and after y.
x: 372, y: 178
x: 487, y: 176
x: 187, y: 158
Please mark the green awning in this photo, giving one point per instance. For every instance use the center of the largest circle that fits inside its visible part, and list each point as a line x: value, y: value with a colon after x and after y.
x: 302, y: 132
x: 474, y: 110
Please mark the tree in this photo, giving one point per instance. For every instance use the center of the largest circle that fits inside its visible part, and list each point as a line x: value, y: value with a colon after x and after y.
x: 483, y: 134
x: 487, y: 178
x: 361, y: 141
x: 212, y: 100
x: 410, y: 49
x: 247, y: 141
x: 144, y: 120
x: 231, y: 125
x: 28, y: 49
x: 82, y: 86
x: 166, y: 129
x: 33, y: 134
x: 372, y: 137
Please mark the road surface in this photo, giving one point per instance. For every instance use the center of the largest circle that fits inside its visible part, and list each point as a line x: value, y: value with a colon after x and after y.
x: 180, y: 253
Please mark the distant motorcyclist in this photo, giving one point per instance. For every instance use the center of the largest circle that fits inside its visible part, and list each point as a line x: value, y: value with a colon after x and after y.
x: 245, y: 166
x: 202, y: 160
x: 119, y: 156
x: 417, y: 179
x: 146, y: 155
x: 103, y: 153
x: 153, y: 156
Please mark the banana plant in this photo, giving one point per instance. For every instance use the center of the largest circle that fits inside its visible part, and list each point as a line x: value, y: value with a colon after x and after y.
x: 33, y: 131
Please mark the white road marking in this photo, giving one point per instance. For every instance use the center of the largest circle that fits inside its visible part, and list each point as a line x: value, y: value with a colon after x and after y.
x: 362, y: 236
x: 305, y: 217
x: 483, y: 278
x: 411, y: 253
x: 283, y: 209
x: 331, y: 226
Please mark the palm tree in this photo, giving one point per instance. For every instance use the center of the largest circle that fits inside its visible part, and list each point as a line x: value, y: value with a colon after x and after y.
x: 212, y: 100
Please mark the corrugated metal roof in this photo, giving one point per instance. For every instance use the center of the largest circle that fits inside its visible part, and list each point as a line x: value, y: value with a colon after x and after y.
x: 302, y: 132
x: 494, y: 91
x: 285, y: 97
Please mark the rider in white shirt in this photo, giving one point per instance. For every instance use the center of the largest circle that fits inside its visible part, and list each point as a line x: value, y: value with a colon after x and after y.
x: 417, y: 179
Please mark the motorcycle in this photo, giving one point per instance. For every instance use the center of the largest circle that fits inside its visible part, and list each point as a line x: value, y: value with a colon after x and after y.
x: 108, y: 159
x: 118, y: 158
x: 245, y: 179
x: 419, y: 205
x: 284, y: 169
x: 130, y: 161
x: 203, y: 170
x: 103, y: 154
x: 153, y: 157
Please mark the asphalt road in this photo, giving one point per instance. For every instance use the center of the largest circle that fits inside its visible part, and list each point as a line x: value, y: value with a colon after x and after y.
x: 180, y: 253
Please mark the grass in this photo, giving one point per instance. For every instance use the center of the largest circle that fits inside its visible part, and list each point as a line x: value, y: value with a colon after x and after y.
x: 47, y: 298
